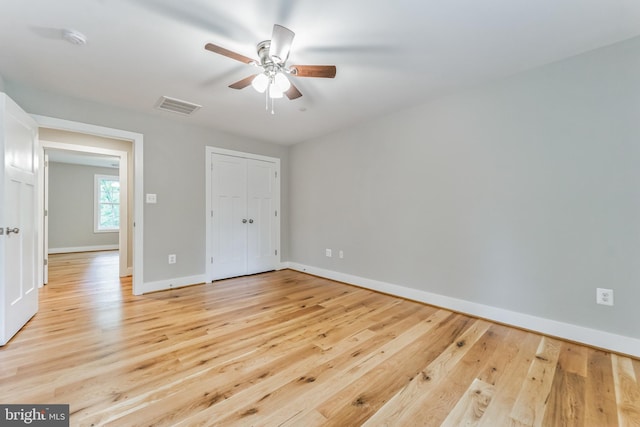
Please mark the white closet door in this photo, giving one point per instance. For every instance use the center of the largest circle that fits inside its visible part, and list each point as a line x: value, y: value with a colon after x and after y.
x: 261, y: 192
x: 229, y: 216
x: 244, y: 223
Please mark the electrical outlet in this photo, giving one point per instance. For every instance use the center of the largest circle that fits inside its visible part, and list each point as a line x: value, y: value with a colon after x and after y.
x: 327, y: 252
x: 341, y: 254
x: 151, y: 198
x: 172, y: 258
x: 604, y: 296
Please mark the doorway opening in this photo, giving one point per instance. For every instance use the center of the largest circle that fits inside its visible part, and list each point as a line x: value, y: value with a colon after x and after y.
x: 82, y: 205
x: 76, y: 137
x: 74, y: 231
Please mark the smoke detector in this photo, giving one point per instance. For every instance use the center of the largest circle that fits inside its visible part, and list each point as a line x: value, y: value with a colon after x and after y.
x: 74, y: 37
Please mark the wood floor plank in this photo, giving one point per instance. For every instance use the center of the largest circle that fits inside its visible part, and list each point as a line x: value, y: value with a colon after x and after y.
x: 289, y: 349
x: 627, y: 391
x: 573, y: 359
x: 470, y: 409
x: 343, y: 369
x: 359, y: 400
x: 400, y: 405
x: 530, y: 405
x: 600, y: 395
x: 511, y: 362
x: 566, y: 403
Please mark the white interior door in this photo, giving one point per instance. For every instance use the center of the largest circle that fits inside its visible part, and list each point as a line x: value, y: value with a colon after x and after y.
x: 262, y: 238
x: 243, y: 229
x: 18, y: 219
x: 228, y: 216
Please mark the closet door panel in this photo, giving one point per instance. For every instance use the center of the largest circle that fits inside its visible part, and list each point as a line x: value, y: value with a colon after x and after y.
x: 261, y: 195
x: 229, y: 216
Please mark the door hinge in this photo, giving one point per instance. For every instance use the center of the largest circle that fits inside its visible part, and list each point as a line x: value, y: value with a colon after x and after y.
x: 276, y: 174
x: 276, y: 252
x: 276, y: 213
x: 211, y: 260
x: 46, y: 212
x: 211, y: 214
x: 46, y: 262
x: 46, y: 164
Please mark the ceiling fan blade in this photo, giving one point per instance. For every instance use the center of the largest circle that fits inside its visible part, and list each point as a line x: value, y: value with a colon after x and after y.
x: 226, y: 52
x: 293, y: 92
x: 326, y: 71
x: 281, y: 40
x: 241, y: 84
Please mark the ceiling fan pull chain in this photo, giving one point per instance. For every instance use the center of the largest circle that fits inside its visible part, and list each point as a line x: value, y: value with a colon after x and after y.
x: 269, y: 99
x: 266, y: 99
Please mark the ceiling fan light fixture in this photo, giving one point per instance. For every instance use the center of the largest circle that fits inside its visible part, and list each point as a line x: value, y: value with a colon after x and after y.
x: 272, y: 79
x: 282, y: 82
x: 260, y: 83
x: 275, y: 92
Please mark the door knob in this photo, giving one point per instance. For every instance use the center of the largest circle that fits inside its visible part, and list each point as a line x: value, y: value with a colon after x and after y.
x: 244, y: 221
x: 250, y: 221
x: 15, y: 230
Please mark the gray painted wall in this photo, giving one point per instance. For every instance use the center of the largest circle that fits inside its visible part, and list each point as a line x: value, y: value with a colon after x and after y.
x: 174, y: 169
x: 523, y: 194
x: 71, y: 206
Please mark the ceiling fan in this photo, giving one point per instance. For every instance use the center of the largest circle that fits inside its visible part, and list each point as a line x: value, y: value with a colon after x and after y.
x: 272, y: 78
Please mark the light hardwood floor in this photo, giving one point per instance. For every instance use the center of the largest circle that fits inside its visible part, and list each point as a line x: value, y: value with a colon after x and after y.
x: 285, y: 348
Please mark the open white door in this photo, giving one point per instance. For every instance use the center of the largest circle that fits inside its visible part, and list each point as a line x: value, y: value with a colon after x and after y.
x: 18, y: 218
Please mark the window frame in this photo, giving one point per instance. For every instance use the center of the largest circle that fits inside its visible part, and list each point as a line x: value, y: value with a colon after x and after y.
x: 96, y: 203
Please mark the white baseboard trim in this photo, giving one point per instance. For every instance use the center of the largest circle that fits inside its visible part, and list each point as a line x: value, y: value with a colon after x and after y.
x: 83, y: 249
x: 567, y: 331
x: 178, y: 282
x: 283, y: 266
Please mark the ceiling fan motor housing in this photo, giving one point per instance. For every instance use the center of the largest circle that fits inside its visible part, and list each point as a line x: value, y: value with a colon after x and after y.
x: 263, y: 53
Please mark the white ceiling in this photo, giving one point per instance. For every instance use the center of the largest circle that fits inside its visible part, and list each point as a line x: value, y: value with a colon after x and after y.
x: 389, y: 54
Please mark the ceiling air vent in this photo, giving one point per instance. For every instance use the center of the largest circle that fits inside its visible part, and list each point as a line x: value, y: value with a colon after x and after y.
x: 177, y: 106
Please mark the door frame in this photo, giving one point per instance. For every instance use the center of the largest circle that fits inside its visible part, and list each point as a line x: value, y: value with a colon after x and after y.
x: 138, y: 206
x: 209, y: 203
x: 43, y: 197
x: 123, y: 232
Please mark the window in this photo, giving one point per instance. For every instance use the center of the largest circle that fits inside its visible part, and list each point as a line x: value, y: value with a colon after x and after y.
x: 107, y: 204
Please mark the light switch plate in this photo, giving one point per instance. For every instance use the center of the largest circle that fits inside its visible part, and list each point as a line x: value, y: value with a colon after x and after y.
x: 151, y: 198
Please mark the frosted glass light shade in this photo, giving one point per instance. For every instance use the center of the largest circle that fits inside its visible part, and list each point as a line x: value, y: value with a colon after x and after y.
x: 274, y: 91
x: 260, y: 83
x: 282, y: 82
